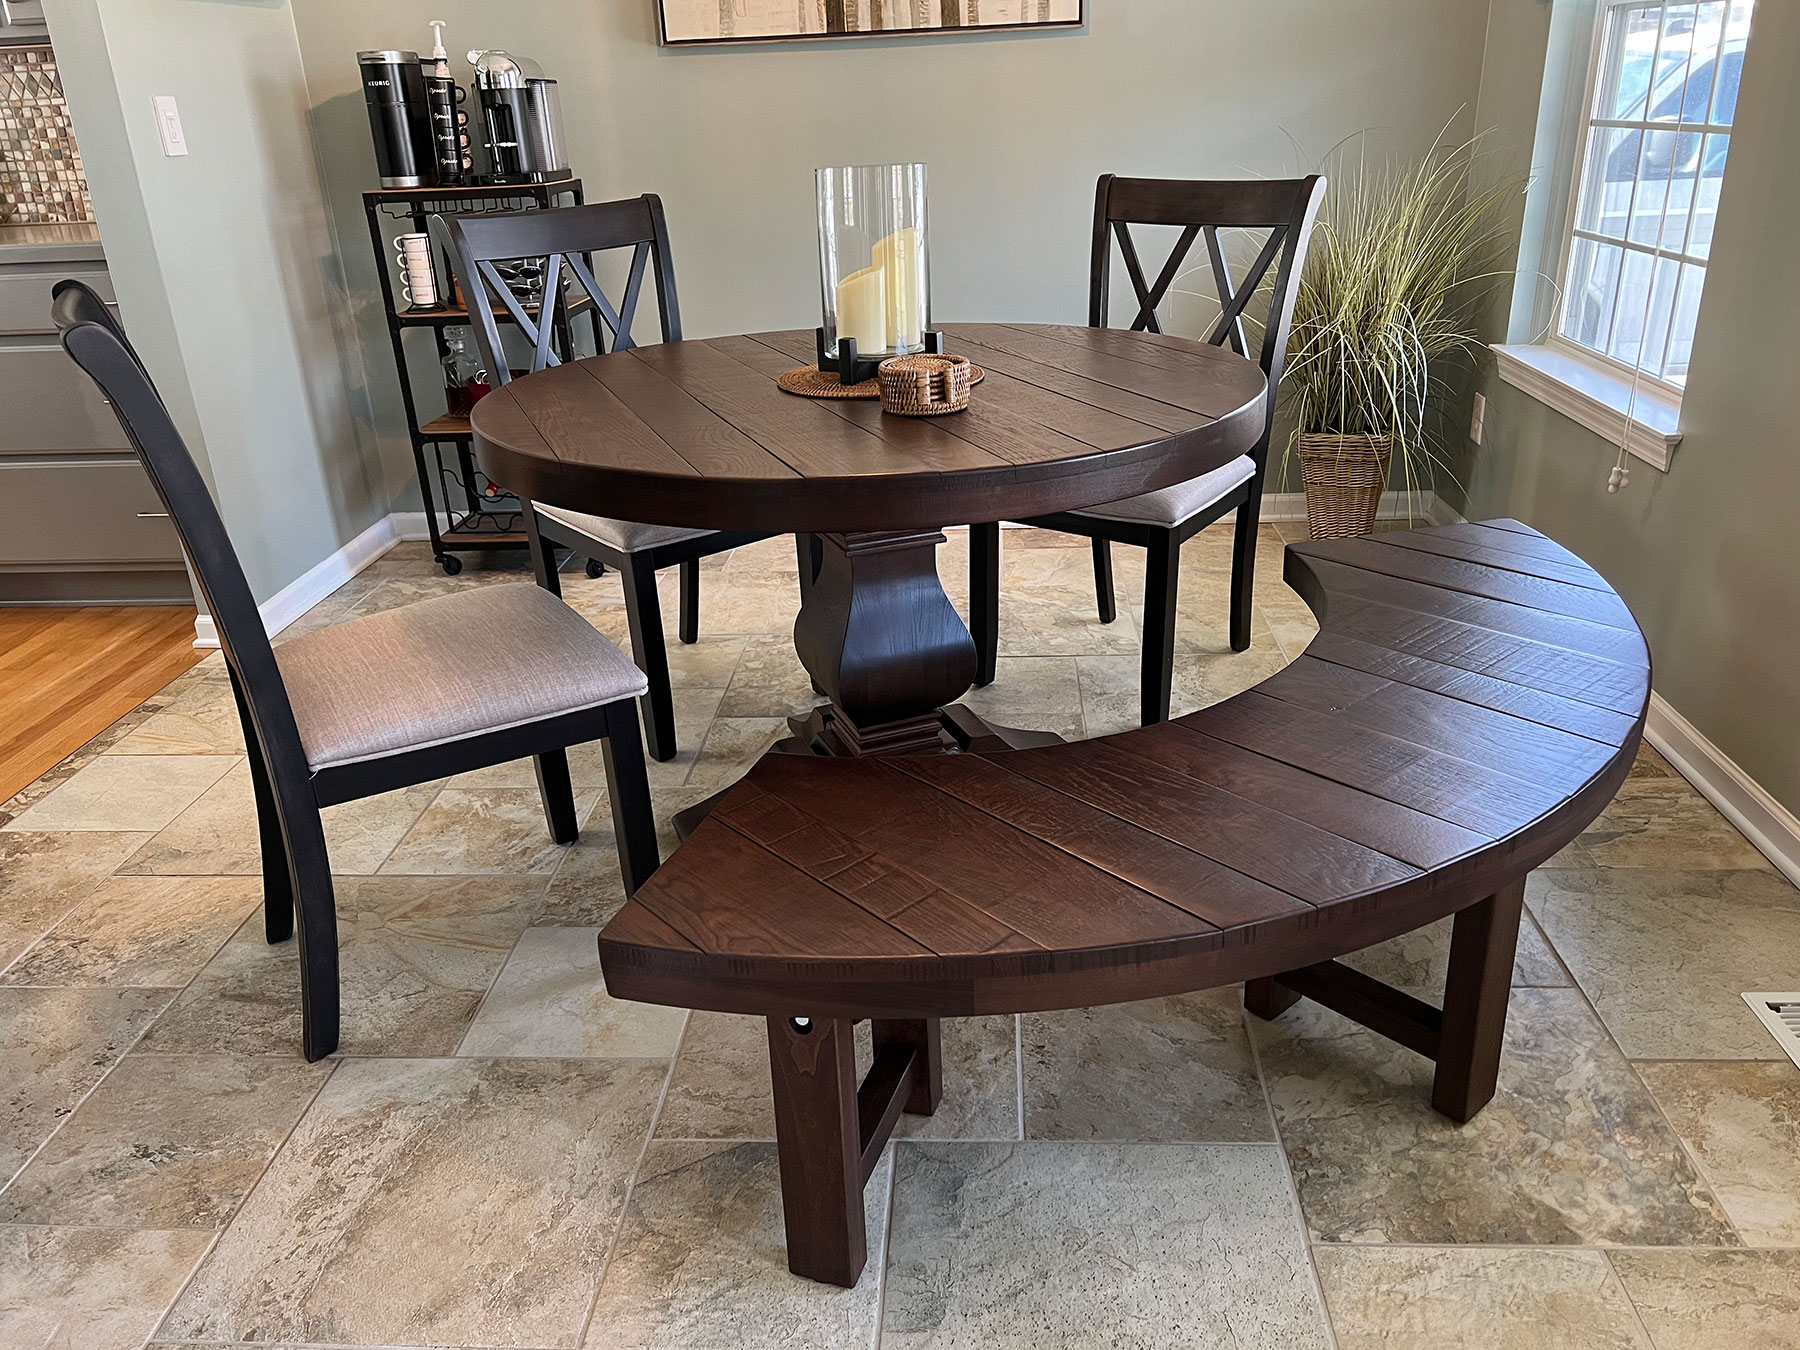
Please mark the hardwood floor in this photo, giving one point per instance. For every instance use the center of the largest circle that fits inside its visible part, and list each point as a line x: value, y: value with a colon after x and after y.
x: 68, y: 674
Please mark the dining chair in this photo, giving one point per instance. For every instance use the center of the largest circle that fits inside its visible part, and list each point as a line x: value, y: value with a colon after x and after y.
x: 1161, y: 522
x: 435, y: 688
x: 566, y: 238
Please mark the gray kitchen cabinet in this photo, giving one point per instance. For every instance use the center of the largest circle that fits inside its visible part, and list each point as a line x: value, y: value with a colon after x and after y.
x: 83, y: 524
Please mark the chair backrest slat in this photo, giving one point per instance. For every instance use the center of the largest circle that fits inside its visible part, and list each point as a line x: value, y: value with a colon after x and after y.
x: 94, y: 339
x: 1286, y: 208
x: 565, y: 238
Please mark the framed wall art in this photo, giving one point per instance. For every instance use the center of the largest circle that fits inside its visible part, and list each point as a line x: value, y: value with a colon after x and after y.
x: 687, y: 22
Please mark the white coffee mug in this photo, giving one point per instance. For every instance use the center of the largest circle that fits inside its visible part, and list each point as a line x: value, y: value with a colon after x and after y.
x: 419, y: 287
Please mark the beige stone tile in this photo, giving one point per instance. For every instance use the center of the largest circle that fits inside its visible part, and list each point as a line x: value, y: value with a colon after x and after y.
x: 513, y: 1171
x: 1703, y: 1300
x: 709, y: 663
x: 733, y: 745
x: 1041, y: 1244
x: 126, y: 792
x: 741, y: 602
x: 484, y: 831
x: 701, y: 1260
x: 1048, y: 621
x: 89, y: 1288
x: 1168, y: 1070
x: 550, y: 1001
x: 1741, y: 1121
x: 720, y: 1087
x: 54, y: 1045
x: 416, y: 956
x: 165, y: 1143
x: 202, y: 721
x: 218, y: 835
x: 1034, y: 693
x: 1423, y: 1298
x: 769, y: 681
x: 1112, y: 686
x: 775, y: 557
x: 588, y: 887
x: 1663, y: 823
x: 1419, y: 962
x: 1664, y: 955
x: 1650, y: 764
x: 1572, y: 1150
x: 150, y: 931
x: 694, y: 713
x: 45, y: 874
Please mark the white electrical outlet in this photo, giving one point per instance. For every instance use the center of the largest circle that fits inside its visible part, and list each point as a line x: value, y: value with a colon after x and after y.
x: 1479, y: 420
x: 168, y: 125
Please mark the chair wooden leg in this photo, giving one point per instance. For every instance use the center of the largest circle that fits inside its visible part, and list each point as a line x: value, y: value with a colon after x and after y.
x: 818, y: 1142
x: 644, y: 612
x: 1104, y: 595
x: 1161, y: 588
x: 558, y: 795
x: 316, y: 913
x: 628, y: 789
x: 1243, y: 568
x: 689, y: 626
x: 984, y: 599
x: 925, y: 1035
x: 543, y: 554
x: 1482, y: 945
x: 278, y: 881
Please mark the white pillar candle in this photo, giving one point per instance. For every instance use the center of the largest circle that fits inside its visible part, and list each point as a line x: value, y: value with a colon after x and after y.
x: 862, y: 309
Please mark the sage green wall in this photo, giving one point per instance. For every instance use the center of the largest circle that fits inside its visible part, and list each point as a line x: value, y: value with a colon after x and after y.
x: 1015, y: 129
x: 226, y: 264
x: 1705, y: 554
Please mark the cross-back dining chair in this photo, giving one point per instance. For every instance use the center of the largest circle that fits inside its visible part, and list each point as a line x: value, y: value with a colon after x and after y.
x: 566, y: 238
x: 413, y: 694
x: 1162, y: 521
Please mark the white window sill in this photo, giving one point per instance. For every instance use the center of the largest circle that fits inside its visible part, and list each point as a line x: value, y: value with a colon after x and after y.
x: 1597, y: 397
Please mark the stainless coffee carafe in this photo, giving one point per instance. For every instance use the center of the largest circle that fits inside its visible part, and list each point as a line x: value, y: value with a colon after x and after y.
x: 521, y: 115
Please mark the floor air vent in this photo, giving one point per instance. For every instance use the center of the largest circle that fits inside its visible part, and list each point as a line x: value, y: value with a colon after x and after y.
x: 1780, y: 1013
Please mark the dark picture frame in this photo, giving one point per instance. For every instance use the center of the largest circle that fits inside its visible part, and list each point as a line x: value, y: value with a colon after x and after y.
x: 872, y: 19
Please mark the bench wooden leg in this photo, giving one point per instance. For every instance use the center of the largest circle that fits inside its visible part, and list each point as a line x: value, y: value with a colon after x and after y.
x: 830, y: 1132
x: 926, y: 1037
x: 1464, y: 1037
x: 818, y: 1141
x: 1475, y: 997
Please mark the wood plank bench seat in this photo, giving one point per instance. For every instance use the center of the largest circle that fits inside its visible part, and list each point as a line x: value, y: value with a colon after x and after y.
x: 1474, y: 698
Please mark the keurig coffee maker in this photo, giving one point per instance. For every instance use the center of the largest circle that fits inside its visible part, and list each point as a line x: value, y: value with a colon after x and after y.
x: 394, y: 86
x: 521, y: 115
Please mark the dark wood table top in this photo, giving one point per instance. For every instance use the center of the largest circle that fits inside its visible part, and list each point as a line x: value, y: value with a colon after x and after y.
x: 1475, y: 696
x: 698, y: 433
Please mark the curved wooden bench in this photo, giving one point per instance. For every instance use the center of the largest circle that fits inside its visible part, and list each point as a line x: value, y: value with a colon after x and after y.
x: 1475, y: 696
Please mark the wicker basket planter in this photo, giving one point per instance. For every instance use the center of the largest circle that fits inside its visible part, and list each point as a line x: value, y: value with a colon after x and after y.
x: 1344, y: 477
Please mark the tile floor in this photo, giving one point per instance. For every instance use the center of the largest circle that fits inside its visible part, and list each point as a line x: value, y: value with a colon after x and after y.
x: 503, y: 1155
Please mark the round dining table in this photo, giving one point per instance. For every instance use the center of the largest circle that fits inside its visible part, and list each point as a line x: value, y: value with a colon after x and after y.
x: 699, y: 434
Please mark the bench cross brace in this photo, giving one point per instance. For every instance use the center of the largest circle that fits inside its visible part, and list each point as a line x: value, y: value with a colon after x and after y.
x: 1464, y: 1037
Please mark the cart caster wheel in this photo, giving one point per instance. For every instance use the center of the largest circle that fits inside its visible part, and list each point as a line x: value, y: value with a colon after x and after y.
x: 451, y: 564
x: 595, y: 568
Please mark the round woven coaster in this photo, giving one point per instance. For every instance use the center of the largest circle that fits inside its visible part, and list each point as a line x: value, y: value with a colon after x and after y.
x: 811, y: 382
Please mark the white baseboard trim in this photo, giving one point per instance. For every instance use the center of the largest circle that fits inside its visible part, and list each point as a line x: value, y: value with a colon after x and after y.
x: 1743, y: 801
x: 1394, y: 506
x: 319, y: 581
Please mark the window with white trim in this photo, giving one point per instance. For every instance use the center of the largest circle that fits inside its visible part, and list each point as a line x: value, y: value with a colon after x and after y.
x: 1656, y: 133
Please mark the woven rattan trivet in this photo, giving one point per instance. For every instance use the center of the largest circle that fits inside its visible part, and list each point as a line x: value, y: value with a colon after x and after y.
x: 811, y: 382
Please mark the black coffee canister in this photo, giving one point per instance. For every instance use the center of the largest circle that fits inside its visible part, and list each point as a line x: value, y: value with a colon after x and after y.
x: 449, y: 129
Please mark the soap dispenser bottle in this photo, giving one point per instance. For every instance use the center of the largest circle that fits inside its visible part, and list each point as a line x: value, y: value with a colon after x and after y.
x: 449, y: 122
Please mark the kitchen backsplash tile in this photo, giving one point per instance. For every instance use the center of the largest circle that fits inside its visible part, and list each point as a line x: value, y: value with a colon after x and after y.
x: 40, y: 169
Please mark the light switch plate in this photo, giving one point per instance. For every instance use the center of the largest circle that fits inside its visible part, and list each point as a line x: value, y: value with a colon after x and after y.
x: 1478, y: 423
x: 168, y: 125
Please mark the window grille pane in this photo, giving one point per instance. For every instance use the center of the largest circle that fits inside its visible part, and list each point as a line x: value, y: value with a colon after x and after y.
x: 1630, y: 64
x: 1681, y: 332
x: 1613, y: 154
x: 1593, y: 289
x: 1646, y: 297
x: 1706, y: 198
x: 1665, y: 190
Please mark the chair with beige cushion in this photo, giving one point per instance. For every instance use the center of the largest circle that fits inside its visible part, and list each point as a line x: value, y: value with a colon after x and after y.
x: 444, y: 686
x: 1161, y: 522
x: 566, y: 239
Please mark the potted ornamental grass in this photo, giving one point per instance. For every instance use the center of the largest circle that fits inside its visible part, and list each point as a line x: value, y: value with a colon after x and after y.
x: 1386, y: 306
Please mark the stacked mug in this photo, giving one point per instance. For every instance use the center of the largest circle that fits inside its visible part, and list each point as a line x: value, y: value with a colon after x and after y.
x: 417, y: 275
